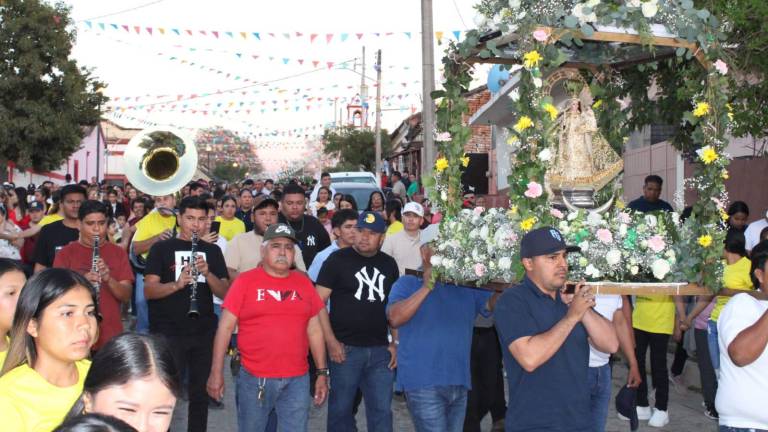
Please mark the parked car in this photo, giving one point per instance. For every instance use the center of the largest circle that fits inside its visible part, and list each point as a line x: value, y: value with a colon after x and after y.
x: 353, y: 177
x: 359, y: 190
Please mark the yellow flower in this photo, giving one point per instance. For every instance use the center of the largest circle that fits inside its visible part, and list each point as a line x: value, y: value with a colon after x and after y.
x: 465, y: 160
x: 531, y: 59
x: 705, y: 240
x: 512, y: 140
x: 620, y: 204
x: 441, y: 164
x: 512, y: 210
x: 725, y: 175
x: 702, y: 109
x: 551, y: 110
x: 724, y: 215
x: 524, y: 123
x: 708, y: 155
x: 598, y: 103
x: 730, y: 111
x: 527, y: 224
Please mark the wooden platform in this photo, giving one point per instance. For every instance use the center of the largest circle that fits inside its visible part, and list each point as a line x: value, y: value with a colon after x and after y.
x: 626, y: 288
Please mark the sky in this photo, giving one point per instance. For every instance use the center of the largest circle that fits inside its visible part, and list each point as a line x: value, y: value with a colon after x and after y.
x: 275, y: 67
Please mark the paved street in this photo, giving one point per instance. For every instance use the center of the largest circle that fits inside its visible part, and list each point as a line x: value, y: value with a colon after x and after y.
x: 685, y: 410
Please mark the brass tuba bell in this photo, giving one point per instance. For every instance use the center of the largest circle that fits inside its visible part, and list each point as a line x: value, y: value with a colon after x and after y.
x: 160, y: 161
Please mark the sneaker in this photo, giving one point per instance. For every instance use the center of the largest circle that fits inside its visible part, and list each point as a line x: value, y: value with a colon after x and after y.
x: 711, y: 414
x: 678, y: 383
x: 658, y: 419
x: 643, y: 413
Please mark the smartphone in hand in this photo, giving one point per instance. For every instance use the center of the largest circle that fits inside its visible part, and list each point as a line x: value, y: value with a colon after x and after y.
x: 570, y: 288
x: 215, y: 226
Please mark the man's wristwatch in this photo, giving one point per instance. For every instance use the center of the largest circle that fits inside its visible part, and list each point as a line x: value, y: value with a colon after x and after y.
x: 323, y: 372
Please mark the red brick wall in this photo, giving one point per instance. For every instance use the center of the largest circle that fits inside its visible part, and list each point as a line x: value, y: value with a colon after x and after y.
x: 480, y: 142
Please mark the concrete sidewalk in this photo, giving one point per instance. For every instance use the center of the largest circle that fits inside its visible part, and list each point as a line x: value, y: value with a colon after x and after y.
x: 685, y: 410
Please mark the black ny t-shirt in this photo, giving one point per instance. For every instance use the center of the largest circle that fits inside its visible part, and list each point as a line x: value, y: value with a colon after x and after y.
x: 52, y: 238
x: 311, y: 235
x: 168, y: 315
x: 360, y: 290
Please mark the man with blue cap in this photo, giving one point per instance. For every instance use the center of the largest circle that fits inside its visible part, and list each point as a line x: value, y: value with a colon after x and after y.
x: 357, y: 280
x: 545, y: 336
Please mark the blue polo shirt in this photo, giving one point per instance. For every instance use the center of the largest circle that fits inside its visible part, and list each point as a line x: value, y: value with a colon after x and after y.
x: 435, y: 344
x: 555, y: 397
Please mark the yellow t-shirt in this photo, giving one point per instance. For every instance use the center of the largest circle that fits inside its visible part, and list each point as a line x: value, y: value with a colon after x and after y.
x: 151, y: 225
x: 654, y: 314
x: 735, y: 276
x: 51, y: 218
x: 230, y: 228
x: 29, y: 403
x: 395, y: 227
x: 4, y: 353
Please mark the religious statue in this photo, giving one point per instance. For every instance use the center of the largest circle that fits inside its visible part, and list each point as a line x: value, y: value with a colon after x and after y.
x: 584, y: 159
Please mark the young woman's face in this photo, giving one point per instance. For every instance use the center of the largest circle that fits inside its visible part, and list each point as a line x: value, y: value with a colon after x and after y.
x: 322, y: 195
x: 337, y: 200
x: 146, y: 404
x: 228, y: 209
x: 343, y: 205
x: 377, y: 201
x: 10, y: 288
x: 738, y: 220
x: 67, y: 328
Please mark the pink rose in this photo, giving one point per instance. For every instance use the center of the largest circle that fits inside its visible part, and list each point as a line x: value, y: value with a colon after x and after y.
x: 443, y: 137
x: 480, y: 269
x: 625, y: 218
x: 540, y: 35
x: 721, y: 67
x: 478, y: 210
x: 656, y: 243
x: 556, y: 213
x: 604, y: 235
x: 534, y: 190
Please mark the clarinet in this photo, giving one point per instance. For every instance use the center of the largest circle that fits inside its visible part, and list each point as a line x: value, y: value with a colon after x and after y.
x: 193, y: 311
x: 95, y: 269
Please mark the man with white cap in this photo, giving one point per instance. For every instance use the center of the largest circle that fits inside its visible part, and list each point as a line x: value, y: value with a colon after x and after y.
x: 403, y: 245
x: 435, y: 337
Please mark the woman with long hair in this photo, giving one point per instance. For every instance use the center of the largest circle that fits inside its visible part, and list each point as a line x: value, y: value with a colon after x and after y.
x: 738, y: 214
x: 323, y: 201
x: 347, y: 202
x: 376, y: 202
x: 133, y: 378
x: 53, y: 330
x: 230, y: 225
x: 12, y: 280
x: 17, y: 207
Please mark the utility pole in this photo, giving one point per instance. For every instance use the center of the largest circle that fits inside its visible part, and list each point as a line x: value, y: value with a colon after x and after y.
x: 428, y: 86
x: 363, y: 96
x: 378, y: 117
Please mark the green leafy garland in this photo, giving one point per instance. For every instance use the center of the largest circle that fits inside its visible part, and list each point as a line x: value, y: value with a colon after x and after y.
x: 702, y: 132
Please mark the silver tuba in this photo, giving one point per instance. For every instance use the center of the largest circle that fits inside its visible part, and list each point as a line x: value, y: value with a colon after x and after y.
x: 160, y: 161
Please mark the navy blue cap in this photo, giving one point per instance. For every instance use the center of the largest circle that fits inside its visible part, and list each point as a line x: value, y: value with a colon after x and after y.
x: 626, y: 405
x: 372, y: 221
x: 544, y: 241
x: 35, y: 206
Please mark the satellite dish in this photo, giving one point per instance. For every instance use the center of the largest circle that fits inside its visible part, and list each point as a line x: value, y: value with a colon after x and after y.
x: 497, y: 77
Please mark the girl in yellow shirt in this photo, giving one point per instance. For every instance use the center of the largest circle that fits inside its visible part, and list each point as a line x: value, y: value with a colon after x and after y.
x: 12, y: 280
x: 230, y: 225
x: 134, y: 378
x: 53, y: 330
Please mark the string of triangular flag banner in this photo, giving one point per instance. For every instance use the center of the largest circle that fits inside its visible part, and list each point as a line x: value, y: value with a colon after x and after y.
x: 256, y: 35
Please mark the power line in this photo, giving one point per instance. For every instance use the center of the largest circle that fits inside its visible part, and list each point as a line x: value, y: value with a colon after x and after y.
x: 459, y: 13
x: 141, y: 6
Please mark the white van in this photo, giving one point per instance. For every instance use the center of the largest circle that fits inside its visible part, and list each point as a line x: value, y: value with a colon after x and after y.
x: 353, y: 177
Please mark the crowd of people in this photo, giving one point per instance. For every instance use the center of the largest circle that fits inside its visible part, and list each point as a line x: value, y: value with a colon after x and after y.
x: 115, y: 305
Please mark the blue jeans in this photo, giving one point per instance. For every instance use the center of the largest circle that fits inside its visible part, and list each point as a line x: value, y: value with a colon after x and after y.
x: 712, y: 344
x: 600, y: 395
x: 438, y: 409
x: 365, y: 368
x: 289, y: 397
x: 733, y: 429
x: 142, y: 310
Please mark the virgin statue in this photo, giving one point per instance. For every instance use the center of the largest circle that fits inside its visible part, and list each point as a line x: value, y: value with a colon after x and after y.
x: 584, y: 158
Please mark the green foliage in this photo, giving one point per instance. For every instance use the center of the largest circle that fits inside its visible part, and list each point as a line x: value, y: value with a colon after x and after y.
x: 45, y: 97
x: 355, y: 148
x: 229, y: 172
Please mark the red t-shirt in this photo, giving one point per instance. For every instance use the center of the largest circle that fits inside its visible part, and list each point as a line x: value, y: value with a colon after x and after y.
x: 272, y: 317
x: 77, y: 257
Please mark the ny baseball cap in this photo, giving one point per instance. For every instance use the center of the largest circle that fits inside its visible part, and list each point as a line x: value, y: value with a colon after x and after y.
x: 372, y: 221
x: 626, y: 405
x: 279, y: 230
x: 543, y: 241
x: 36, y: 206
x: 414, y: 207
x: 263, y: 201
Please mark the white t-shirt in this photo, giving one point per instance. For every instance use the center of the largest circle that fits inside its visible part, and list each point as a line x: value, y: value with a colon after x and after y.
x: 742, y: 391
x: 605, y: 305
x: 752, y: 234
x: 222, y: 244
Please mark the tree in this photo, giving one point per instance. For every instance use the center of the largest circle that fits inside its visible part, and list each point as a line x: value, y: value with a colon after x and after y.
x: 229, y: 172
x: 354, y: 148
x: 218, y: 146
x: 45, y: 97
